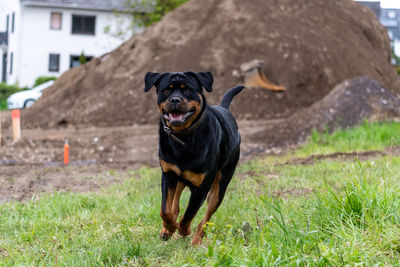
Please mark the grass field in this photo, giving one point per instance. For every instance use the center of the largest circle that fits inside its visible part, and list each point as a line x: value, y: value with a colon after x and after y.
x: 332, y: 212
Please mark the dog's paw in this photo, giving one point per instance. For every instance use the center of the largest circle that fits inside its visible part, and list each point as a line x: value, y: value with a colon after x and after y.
x: 196, y: 241
x: 165, y: 234
x: 184, y: 231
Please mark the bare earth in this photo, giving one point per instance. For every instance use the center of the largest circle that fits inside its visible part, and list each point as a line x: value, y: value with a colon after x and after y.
x: 103, y: 156
x: 99, y: 157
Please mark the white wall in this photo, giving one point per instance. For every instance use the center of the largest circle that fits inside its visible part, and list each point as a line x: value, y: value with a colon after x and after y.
x: 7, y: 8
x: 33, y: 39
x: 38, y: 41
x: 396, y: 46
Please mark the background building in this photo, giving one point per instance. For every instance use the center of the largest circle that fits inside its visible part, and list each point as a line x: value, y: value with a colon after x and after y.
x: 47, y: 37
x: 390, y: 18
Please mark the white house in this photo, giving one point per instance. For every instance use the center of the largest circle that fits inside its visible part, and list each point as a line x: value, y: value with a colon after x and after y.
x: 46, y: 37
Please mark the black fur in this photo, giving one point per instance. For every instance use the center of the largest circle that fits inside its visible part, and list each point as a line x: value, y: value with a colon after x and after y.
x: 213, y: 147
x: 228, y: 96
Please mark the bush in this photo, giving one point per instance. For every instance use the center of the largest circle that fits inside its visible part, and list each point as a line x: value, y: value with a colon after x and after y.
x: 6, y: 91
x: 398, y: 70
x: 43, y: 79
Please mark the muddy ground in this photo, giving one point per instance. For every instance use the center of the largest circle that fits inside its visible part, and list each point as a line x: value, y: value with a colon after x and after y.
x: 98, y: 157
x: 103, y: 156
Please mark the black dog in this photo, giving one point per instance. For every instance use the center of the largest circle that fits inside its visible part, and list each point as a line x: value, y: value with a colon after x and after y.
x: 199, y: 147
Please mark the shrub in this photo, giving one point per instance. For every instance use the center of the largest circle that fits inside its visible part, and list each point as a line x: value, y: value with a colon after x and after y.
x: 6, y: 91
x: 398, y: 70
x: 82, y: 59
x: 43, y: 79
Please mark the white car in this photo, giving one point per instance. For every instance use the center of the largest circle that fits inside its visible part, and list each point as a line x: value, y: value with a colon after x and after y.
x: 26, y: 98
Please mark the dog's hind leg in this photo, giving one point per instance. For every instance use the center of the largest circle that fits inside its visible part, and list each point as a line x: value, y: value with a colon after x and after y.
x: 213, y: 203
x: 196, y: 199
x: 215, y: 196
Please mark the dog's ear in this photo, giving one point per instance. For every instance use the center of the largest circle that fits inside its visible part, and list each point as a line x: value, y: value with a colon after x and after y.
x: 150, y: 79
x: 205, y: 78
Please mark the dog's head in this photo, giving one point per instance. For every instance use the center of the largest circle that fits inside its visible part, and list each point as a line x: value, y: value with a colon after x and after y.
x: 180, y: 95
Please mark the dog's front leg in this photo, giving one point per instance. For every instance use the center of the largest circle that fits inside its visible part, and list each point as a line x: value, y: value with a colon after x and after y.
x: 168, y: 187
x: 177, y: 196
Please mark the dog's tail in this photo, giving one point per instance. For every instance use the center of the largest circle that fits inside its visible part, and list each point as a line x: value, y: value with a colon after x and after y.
x: 228, y: 96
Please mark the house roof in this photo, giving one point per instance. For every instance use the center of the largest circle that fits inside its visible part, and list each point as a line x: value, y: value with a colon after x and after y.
x: 105, y: 5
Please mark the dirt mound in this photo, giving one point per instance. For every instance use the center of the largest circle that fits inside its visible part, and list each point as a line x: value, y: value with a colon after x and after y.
x: 307, y: 46
x: 347, y: 105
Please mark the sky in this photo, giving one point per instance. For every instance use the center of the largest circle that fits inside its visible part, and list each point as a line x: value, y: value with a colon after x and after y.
x: 388, y: 3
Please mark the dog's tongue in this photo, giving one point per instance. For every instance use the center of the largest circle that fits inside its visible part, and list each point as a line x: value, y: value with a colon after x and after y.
x: 176, y: 116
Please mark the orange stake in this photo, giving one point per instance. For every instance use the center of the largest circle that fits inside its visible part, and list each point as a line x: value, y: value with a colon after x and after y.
x: 16, y: 124
x: 66, y: 152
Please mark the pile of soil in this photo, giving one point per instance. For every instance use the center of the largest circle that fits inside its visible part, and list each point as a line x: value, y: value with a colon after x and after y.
x: 307, y: 46
x: 347, y: 105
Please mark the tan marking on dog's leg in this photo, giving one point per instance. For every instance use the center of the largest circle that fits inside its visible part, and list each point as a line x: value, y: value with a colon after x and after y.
x: 195, y: 178
x: 175, y: 201
x: 169, y: 222
x: 213, y: 202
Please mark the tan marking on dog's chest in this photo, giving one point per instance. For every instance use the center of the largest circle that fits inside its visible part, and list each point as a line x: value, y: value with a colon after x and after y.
x: 195, y: 178
x: 167, y: 167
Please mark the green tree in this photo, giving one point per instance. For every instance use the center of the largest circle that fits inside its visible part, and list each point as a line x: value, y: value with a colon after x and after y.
x: 151, y: 11
x: 144, y: 13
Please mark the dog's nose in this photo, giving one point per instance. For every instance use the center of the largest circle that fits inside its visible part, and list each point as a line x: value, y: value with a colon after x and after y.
x: 175, y: 100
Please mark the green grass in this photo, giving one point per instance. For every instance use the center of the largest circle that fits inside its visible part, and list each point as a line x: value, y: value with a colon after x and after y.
x: 368, y: 136
x: 327, y: 214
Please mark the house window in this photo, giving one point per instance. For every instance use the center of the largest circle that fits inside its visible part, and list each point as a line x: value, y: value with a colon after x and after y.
x: 75, y: 61
x: 83, y: 24
x: 392, y: 14
x: 54, y: 62
x: 11, y: 62
x: 55, y: 21
x: 4, y: 74
x: 12, y: 22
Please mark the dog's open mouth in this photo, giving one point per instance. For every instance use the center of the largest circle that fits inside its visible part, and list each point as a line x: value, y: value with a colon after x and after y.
x: 177, y: 118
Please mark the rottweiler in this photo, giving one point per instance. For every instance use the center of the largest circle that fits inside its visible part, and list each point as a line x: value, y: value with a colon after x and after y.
x: 199, y: 147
